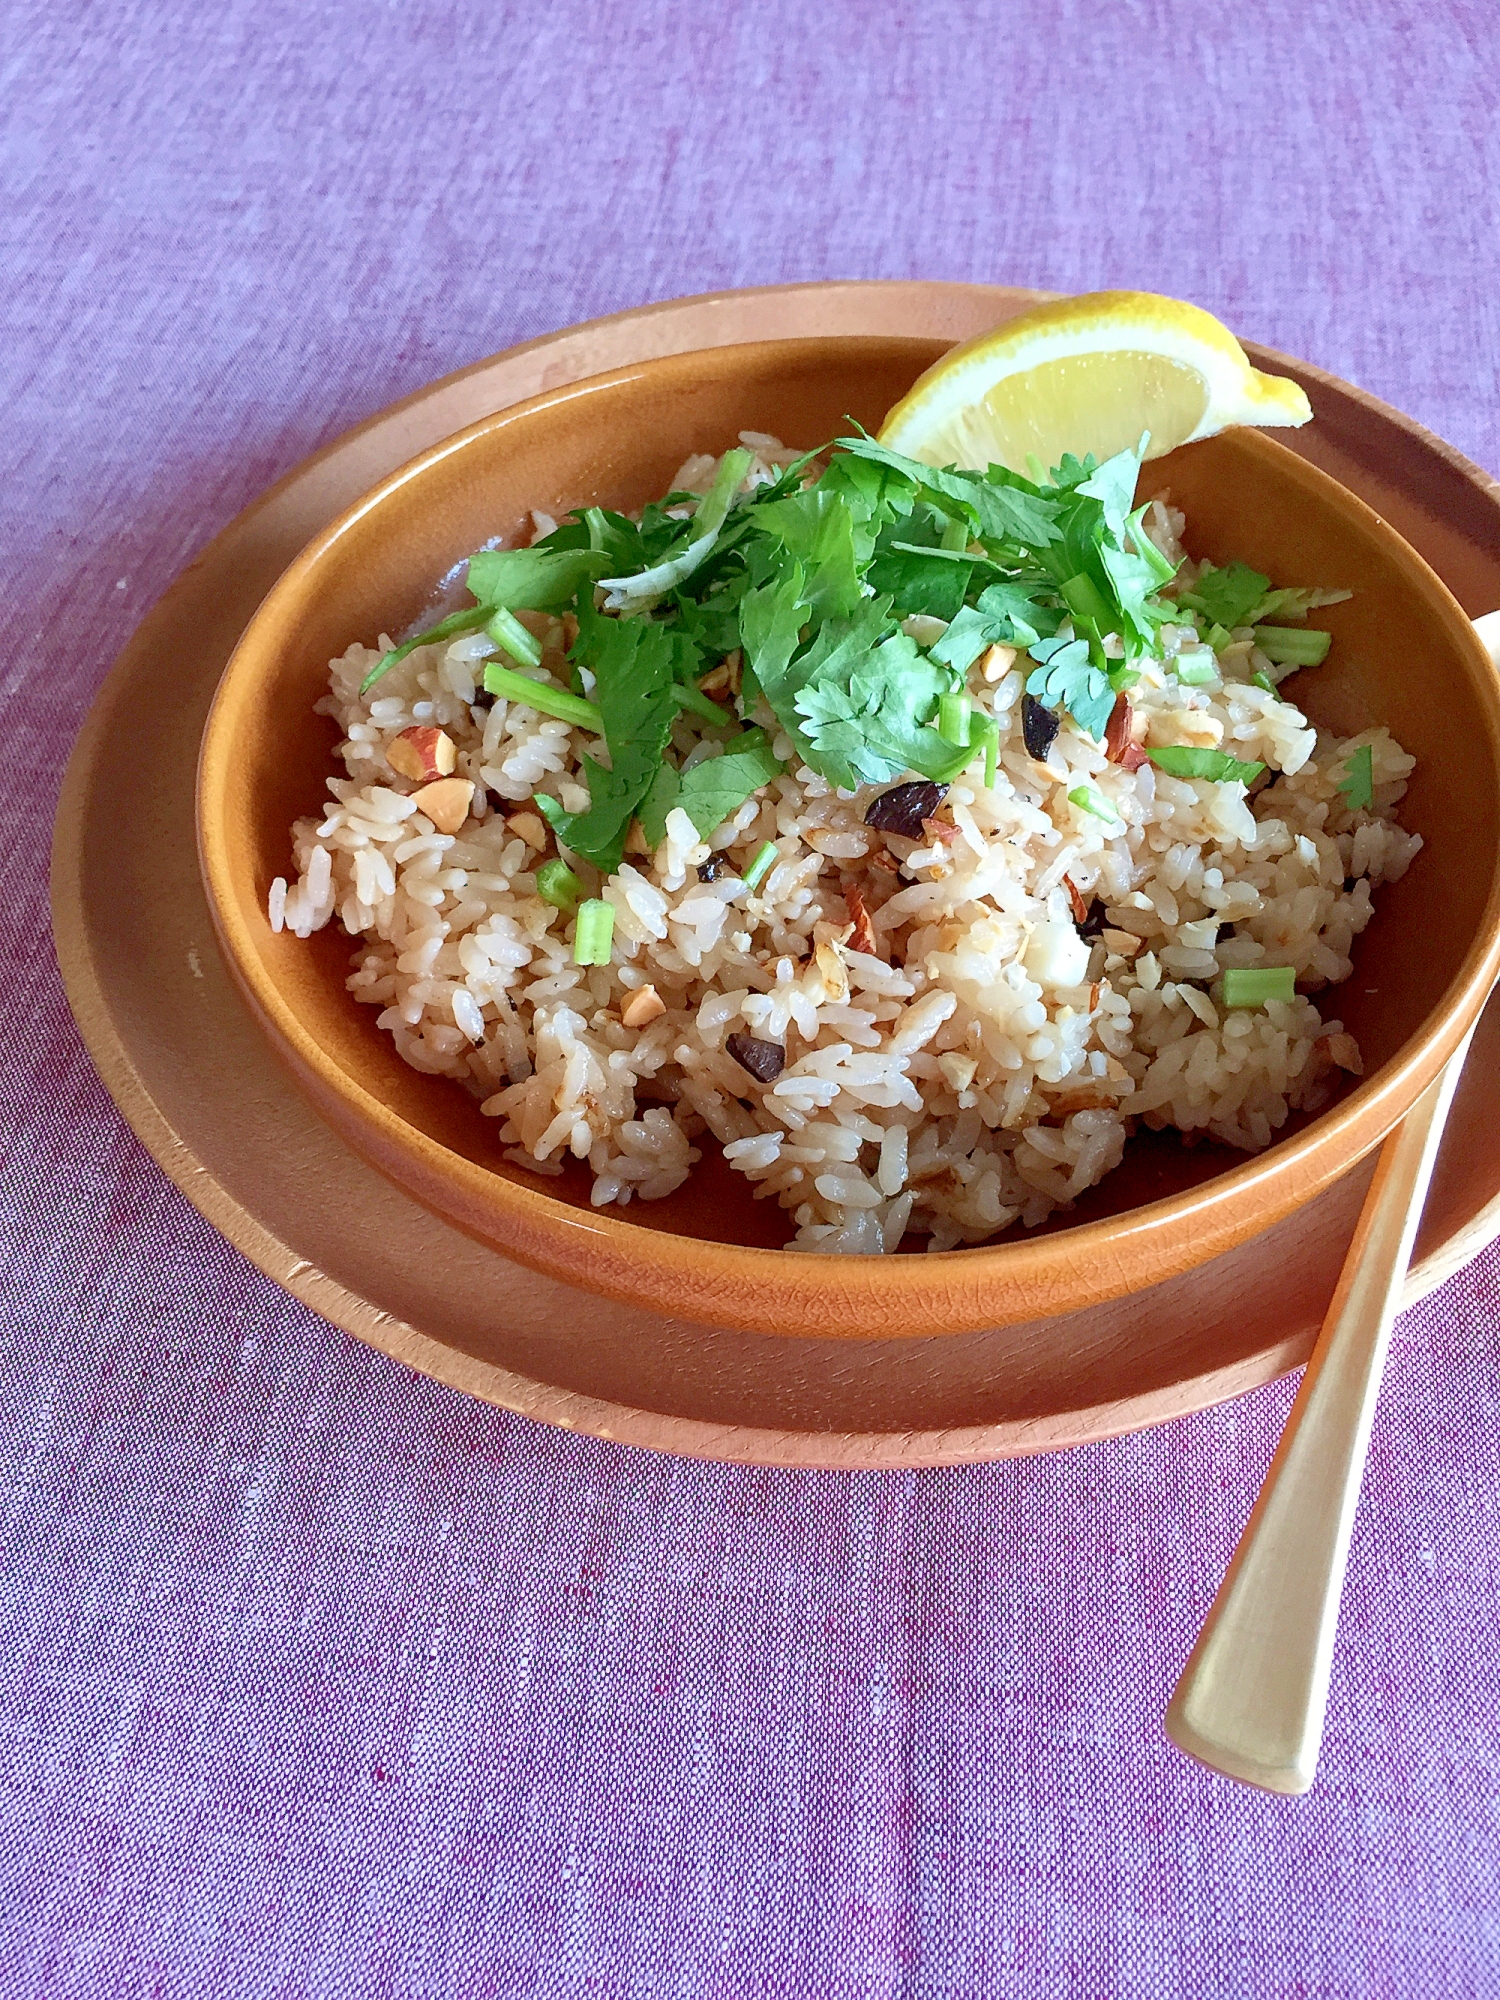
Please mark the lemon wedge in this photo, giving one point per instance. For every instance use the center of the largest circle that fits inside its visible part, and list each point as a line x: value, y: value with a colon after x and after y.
x: 1087, y: 374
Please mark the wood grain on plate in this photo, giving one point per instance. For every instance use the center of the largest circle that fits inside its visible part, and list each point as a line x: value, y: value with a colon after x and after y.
x: 191, y: 1072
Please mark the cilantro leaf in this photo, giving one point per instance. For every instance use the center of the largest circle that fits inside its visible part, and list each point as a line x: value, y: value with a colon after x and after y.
x: 1001, y: 505
x: 816, y: 528
x: 1358, y: 781
x: 867, y: 717
x: 926, y: 581
x: 535, y: 579
x: 1067, y: 678
x: 1182, y: 760
x: 1006, y: 614
x: 632, y: 661
x: 711, y: 791
x: 1228, y: 596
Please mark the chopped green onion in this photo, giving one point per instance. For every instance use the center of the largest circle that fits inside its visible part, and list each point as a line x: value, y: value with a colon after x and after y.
x: 1195, y: 671
x: 506, y: 629
x: 1261, y: 681
x: 953, y: 719
x: 594, y: 933
x: 1253, y: 986
x: 1218, y: 636
x: 1293, y: 645
x: 557, y: 884
x: 1082, y: 597
x: 1088, y: 800
x: 542, y: 696
x: 760, y: 863
x: 447, y: 628
x: 986, y: 730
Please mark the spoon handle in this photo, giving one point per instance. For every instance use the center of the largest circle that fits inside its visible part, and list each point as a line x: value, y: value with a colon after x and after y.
x: 1252, y: 1697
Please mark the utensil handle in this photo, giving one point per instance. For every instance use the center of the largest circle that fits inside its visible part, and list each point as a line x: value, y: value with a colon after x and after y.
x: 1252, y: 1697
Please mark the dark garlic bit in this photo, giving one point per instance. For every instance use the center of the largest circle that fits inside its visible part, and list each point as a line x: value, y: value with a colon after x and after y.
x: 713, y: 868
x: 904, y: 809
x: 1093, y: 921
x: 764, y: 1060
x: 1039, y: 727
x: 1225, y: 931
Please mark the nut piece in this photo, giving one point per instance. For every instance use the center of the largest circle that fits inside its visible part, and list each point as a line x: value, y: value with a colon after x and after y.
x: 422, y: 753
x: 862, y: 937
x: 644, y: 1005
x: 997, y: 662
x: 446, y: 803
x: 528, y: 825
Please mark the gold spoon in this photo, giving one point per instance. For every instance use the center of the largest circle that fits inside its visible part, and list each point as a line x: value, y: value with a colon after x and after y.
x: 1252, y: 1697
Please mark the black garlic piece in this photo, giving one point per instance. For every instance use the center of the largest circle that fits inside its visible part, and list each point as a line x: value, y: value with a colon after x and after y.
x: 1039, y: 726
x: 1093, y: 923
x: 903, y: 810
x: 713, y: 868
x: 764, y: 1060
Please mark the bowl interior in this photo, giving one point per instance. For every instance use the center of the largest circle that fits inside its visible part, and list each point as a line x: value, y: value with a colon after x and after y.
x: 1400, y: 656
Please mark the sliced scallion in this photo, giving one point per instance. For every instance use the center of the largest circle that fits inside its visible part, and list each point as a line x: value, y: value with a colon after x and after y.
x: 543, y: 696
x: 1088, y: 800
x: 1293, y: 645
x: 1253, y: 986
x: 1196, y: 669
x: 760, y: 865
x: 1262, y: 681
x: 593, y: 933
x: 953, y: 720
x: 557, y: 884
x: 986, y: 730
x: 506, y: 629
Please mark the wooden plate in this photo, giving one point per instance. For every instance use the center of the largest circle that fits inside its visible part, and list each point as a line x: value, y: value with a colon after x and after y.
x: 188, y: 1068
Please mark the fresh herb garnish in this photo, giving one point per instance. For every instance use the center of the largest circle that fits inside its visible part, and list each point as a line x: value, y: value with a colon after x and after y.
x: 1227, y: 596
x: 1182, y: 760
x: 632, y: 661
x: 1358, y: 781
x: 805, y: 587
x: 1068, y: 679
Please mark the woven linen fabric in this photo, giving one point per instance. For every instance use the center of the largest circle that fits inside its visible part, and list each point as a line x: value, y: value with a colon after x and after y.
x: 318, y: 1679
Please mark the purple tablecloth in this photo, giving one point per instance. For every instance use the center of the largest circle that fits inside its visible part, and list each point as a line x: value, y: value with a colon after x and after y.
x: 318, y: 1679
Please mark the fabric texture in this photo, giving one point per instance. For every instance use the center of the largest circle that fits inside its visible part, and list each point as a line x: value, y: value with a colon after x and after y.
x: 318, y: 1679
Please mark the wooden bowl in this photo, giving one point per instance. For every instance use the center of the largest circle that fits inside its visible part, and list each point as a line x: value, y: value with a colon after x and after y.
x: 1404, y: 654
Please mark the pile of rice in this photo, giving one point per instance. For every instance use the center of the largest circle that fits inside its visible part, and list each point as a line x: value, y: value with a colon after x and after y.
x: 940, y: 1083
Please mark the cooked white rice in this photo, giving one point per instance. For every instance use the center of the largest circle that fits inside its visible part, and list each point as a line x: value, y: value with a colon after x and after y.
x: 980, y: 1067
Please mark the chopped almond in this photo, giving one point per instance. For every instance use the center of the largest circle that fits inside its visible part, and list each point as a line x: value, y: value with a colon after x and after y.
x: 1120, y: 746
x: 940, y: 829
x: 643, y: 1006
x: 997, y: 662
x: 446, y: 803
x: 958, y: 1069
x: 1094, y: 992
x: 422, y: 754
x: 1124, y: 944
x: 834, y: 971
x: 885, y: 862
x: 530, y: 827
x: 1075, y: 899
x: 862, y: 937
x: 717, y: 682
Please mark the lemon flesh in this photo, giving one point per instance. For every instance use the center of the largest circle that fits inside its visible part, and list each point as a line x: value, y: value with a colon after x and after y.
x: 1089, y: 374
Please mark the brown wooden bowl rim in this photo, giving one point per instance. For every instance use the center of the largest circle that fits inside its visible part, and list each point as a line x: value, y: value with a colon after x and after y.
x: 844, y: 1297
